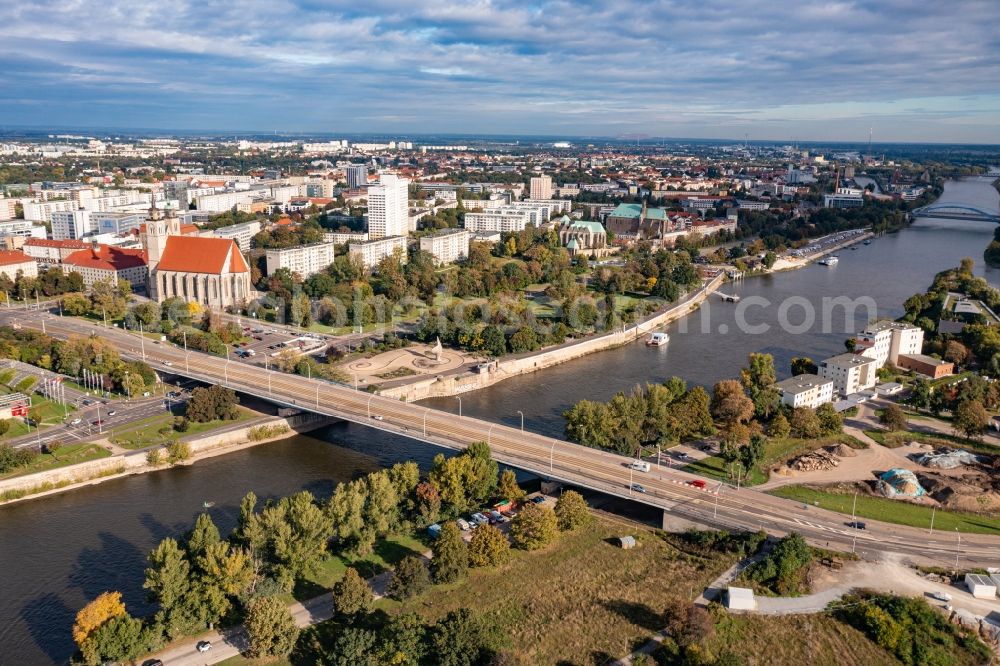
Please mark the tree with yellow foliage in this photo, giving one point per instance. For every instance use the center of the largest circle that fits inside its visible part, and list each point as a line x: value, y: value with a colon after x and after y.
x: 107, y: 606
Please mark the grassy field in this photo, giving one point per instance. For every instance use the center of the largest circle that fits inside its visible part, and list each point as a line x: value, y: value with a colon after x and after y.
x: 66, y: 455
x: 776, y: 451
x: 582, y: 599
x: 902, y: 438
x: 817, y: 640
x: 140, y: 434
x: 388, y: 552
x: 892, y: 511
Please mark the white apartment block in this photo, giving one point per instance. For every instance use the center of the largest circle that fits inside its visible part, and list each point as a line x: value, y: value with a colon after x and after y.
x: 241, y: 233
x: 886, y: 340
x: 304, y: 260
x: 41, y: 211
x: 71, y: 224
x: 371, y: 252
x: 448, y: 245
x: 388, y: 207
x: 850, y: 373
x: 115, y: 222
x: 541, y: 210
x: 806, y: 391
x: 21, y: 228
x: 341, y: 237
x: 220, y: 203
x: 501, y: 220
x: 541, y: 187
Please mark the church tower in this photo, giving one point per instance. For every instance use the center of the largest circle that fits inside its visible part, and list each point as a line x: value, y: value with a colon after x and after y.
x: 154, y: 241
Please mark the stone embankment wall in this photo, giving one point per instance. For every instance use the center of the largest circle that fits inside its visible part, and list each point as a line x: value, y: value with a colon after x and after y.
x: 135, y: 462
x: 450, y: 385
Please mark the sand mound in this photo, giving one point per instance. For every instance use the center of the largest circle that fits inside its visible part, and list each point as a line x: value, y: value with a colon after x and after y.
x: 843, y: 450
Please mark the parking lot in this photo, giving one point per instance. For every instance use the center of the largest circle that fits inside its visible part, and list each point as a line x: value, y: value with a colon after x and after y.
x: 265, y: 341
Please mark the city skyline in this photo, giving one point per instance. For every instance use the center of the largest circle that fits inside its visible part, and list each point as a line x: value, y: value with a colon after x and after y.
x: 802, y: 71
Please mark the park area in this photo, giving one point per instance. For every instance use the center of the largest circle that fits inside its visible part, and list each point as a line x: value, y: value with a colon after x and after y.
x: 159, y: 430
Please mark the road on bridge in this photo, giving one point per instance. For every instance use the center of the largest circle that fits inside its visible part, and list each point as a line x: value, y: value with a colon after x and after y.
x: 667, y: 489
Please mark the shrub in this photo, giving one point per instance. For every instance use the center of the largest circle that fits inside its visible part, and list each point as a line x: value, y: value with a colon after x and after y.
x: 178, y: 452
x: 535, y: 527
x: 409, y: 579
x: 154, y: 457
x: 572, y: 510
x: 489, y: 547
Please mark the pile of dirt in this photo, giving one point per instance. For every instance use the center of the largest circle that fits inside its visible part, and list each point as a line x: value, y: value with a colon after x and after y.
x: 899, y: 482
x: 975, y: 491
x: 814, y: 461
x: 843, y: 451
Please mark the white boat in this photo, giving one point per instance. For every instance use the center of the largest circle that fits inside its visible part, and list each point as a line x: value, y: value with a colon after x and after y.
x: 829, y: 261
x: 657, y: 339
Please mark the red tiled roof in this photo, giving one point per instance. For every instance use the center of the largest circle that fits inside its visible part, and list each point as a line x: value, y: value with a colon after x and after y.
x: 10, y: 257
x: 197, y: 254
x: 67, y: 244
x: 107, y: 257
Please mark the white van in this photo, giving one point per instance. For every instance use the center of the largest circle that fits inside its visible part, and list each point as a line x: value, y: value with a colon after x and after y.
x: 640, y: 466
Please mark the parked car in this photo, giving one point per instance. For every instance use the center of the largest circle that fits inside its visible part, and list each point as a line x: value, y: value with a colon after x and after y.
x: 480, y: 519
x: 857, y: 525
x: 941, y: 596
x: 99, y: 422
x: 537, y: 499
x: 204, y: 646
x: 497, y: 517
x: 76, y: 421
x: 637, y: 488
x: 434, y: 530
x: 463, y: 524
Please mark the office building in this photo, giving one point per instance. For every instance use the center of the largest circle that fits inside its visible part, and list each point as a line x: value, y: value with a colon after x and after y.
x: 357, y: 176
x: 302, y: 260
x: 806, y: 391
x: 448, y: 245
x: 71, y: 224
x: 242, y: 233
x: 850, y: 373
x: 388, y: 207
x: 116, y: 223
x: 371, y: 252
x: 886, y: 340
x: 845, y: 197
x: 541, y: 187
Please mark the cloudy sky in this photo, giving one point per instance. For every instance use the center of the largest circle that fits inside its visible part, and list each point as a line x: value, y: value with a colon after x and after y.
x: 774, y: 69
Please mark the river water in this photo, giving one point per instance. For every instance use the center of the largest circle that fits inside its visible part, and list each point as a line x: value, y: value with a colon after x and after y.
x: 57, y: 553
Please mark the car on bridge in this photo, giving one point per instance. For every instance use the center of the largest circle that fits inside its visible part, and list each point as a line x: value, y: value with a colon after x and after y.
x: 635, y: 487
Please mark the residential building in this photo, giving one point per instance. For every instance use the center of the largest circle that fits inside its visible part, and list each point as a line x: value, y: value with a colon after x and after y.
x: 371, y: 252
x: 14, y: 264
x: 207, y: 271
x: 220, y: 203
x: 502, y: 220
x: 357, y: 176
x: 744, y: 204
x: 177, y: 190
x: 104, y: 262
x: 541, y: 187
x: 242, y: 233
x: 582, y: 236
x: 22, y: 228
x: 388, y: 210
x: 303, y: 260
x: 447, y: 245
x: 886, y: 340
x: 806, y: 391
x: 41, y: 211
x: 341, y: 237
x: 52, y: 252
x: 71, y: 224
x: 925, y: 365
x: 850, y: 373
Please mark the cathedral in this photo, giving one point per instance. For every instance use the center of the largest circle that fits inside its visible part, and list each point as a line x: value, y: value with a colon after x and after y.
x: 208, y: 271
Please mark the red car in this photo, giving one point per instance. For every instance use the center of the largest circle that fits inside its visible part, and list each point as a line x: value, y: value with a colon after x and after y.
x: 698, y: 483
x: 99, y: 422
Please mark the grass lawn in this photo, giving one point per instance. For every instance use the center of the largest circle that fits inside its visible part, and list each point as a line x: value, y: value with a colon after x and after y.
x: 892, y: 511
x: 817, y: 640
x: 65, y: 455
x: 776, y: 451
x: 388, y: 552
x: 583, y: 599
x: 140, y: 434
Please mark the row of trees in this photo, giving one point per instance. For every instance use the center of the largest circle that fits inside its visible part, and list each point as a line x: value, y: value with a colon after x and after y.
x: 49, y: 282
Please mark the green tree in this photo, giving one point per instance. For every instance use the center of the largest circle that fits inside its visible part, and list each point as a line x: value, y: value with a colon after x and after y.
x: 271, y: 629
x: 759, y: 380
x: 489, y: 547
x: 893, y: 418
x: 534, y: 527
x: 211, y: 404
x: 409, y: 579
x: 803, y: 365
x: 971, y: 419
x: 831, y: 423
x: 452, y: 477
x: 779, y: 427
x: 483, y: 472
x: 119, y: 639
x: 404, y: 640
x: 354, y: 646
x: 805, y: 424
x: 572, y: 510
x: 352, y: 595
x: 461, y: 639
x: 509, y: 488
x: 168, y: 577
x: 450, y: 554
x: 204, y: 534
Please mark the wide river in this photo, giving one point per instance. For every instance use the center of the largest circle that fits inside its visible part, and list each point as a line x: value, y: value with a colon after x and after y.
x: 59, y: 552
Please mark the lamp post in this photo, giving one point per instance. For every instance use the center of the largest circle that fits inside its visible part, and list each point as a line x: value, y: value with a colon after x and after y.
x: 226, y: 368
x: 552, y: 455
x: 931, y: 531
x: 142, y: 342
x: 715, y: 512
x: 317, y: 395
x: 426, y: 409
x: 370, y: 405
x: 104, y: 314
x: 854, y: 510
x: 489, y: 433
x: 459, y: 398
x: 958, y: 549
x: 522, y: 419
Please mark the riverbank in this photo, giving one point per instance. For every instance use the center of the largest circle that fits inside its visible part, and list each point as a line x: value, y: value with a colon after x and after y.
x: 209, y: 445
x: 442, y: 386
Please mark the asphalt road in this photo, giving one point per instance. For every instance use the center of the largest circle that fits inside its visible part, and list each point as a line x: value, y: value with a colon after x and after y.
x: 607, y: 472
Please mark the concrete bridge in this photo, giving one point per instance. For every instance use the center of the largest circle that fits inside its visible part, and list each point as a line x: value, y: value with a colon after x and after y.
x: 955, y: 211
x: 666, y: 489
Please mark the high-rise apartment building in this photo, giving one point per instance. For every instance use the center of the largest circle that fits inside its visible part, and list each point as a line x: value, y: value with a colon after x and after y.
x: 71, y: 224
x: 541, y: 187
x: 387, y: 207
x: 357, y: 176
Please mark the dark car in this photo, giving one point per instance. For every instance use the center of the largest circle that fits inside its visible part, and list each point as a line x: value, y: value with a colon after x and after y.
x: 638, y: 488
x: 538, y: 500
x: 153, y: 662
x: 857, y: 525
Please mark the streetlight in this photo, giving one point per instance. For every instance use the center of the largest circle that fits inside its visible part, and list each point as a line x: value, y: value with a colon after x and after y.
x: 370, y: 405
x: 958, y: 549
x: 459, y: 398
x: 317, y: 394
x: 522, y: 419
x: 552, y: 455
x: 426, y: 409
x: 489, y: 433
x: 142, y: 341
x: 933, y: 509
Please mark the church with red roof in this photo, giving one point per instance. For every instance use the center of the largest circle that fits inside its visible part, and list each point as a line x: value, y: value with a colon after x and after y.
x: 208, y: 271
